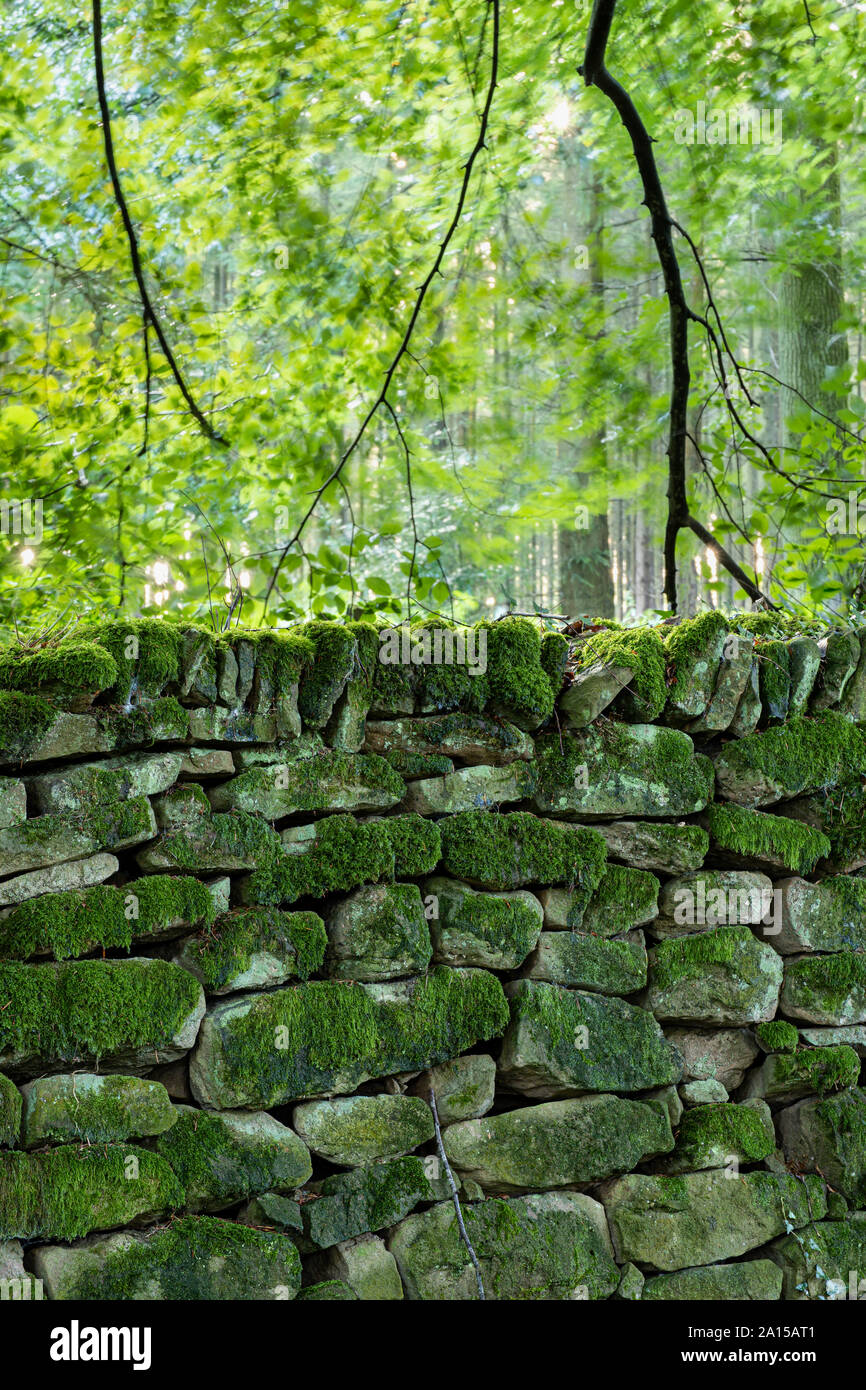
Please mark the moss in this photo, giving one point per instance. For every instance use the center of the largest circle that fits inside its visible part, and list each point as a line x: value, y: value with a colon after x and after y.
x: 755, y: 835
x: 226, y: 952
x: 235, y: 835
x: 414, y: 765
x: 840, y: 813
x: 161, y: 721
x: 96, y: 1109
x: 826, y: 980
x: 92, y: 1008
x: 73, y: 923
x: 365, y: 1200
x: 335, y: 655
x: 359, y: 688
x: 416, y: 842
x: 819, y: 1069
x: 63, y: 1193
x: 623, y: 898
x: 10, y: 1111
x: 505, y: 926
x: 554, y: 658
x: 690, y: 641
x: 774, y: 671
x: 517, y: 682
x: 345, y: 853
x: 218, y: 1165
x: 507, y: 851
x: 71, y: 668
x: 328, y: 1291
x: 333, y: 1028
x: 642, y: 651
x: 115, y: 824
x: 281, y: 655
x: 682, y: 956
x: 146, y: 652
x: 843, y: 1120
x: 609, y: 751
x: 774, y: 624
x: 736, y: 1129
x: 24, y: 719
x: 777, y: 1036
x: 187, y: 1259
x: 803, y: 753
x: 313, y: 783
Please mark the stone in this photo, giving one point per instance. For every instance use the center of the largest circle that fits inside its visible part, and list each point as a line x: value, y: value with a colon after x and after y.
x: 360, y: 1129
x: 825, y: 916
x: 708, y: 1092
x: 10, y: 1111
x: 723, y: 1054
x: 819, y: 1261
x: 364, y: 1201
x: 628, y: 770
x: 196, y: 1258
x: 624, y: 898
x: 784, y: 1077
x: 732, y: 678
x: 472, y: 738
x: 750, y: 1281
x: 91, y: 1109
x: 774, y: 679
x: 12, y: 1267
x: 218, y: 725
x: 587, y: 962
x: 469, y: 789
x: 801, y: 756
x: 328, y: 1291
x: 671, y: 1223
x: 720, y: 976
x: 712, y: 898
x: 694, y: 652
x: 224, y: 1158
x: 661, y: 848
x: 722, y: 1135
x: 326, y: 780
x: 560, y: 1144
x: 221, y: 844
x: 756, y: 841
x: 67, y: 1192
x: 126, y: 1015
x: 51, y: 840
x: 853, y: 1037
x: 591, y: 691
x: 853, y: 701
x: 183, y: 807
x: 631, y: 1284
x: 274, y: 1210
x: 206, y: 762
x: 496, y: 931
x: 749, y: 710
x: 379, y: 932
x: 464, y: 1088
x: 13, y: 802
x: 77, y: 788
x: 364, y: 1264
x: 255, y: 948
x: 549, y: 1246
x: 501, y: 852
x: 562, y: 1042
x: 828, y: 1136
x: 59, y: 878
x: 804, y: 661
x: 840, y: 656
x: 825, y: 989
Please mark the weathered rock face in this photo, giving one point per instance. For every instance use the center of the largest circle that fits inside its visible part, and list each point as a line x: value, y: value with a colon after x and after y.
x: 547, y: 1246
x: 356, y: 886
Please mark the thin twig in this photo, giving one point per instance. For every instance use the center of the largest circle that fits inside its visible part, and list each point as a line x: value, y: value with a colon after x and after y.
x: 455, y: 1199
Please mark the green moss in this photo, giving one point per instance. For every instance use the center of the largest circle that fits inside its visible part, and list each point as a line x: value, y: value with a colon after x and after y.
x: 755, y: 834
x: 774, y: 624
x: 774, y: 670
x: 281, y: 655
x: 226, y: 951
x: 517, y: 682
x: 612, y: 750
x: 313, y: 782
x: 146, y: 652
x: 507, y: 851
x: 73, y: 923
x: 63, y: 1193
x: 640, y: 649
x: 689, y: 642
x: 689, y: 955
x: 234, y: 835
x: 10, y: 1111
x: 187, y: 1259
x: 826, y: 980
x: 777, y: 1036
x: 71, y: 668
x: 414, y: 765
x: 218, y: 1165
x: 624, y: 896
x: 736, y: 1129
x: 161, y: 721
x: 24, y: 719
x: 335, y: 655
x: 820, y: 1069
x: 416, y: 842
x: 329, y: 1291
x: 95, y: 1109
x: 840, y: 813
x: 505, y: 925
x: 115, y: 824
x: 803, y: 753
x: 92, y: 1008
x: 332, y: 1027
x: 554, y: 658
x: 365, y: 1200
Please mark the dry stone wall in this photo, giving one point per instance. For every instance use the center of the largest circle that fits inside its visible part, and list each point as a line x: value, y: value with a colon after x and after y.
x: 264, y: 894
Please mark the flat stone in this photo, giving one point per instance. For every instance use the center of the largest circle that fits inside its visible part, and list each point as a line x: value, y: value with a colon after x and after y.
x: 66, y: 1192
x: 853, y: 1036
x: 559, y: 1144
x: 723, y: 1054
x: 591, y: 691
x: 114, y: 779
x: 829, y: 1137
x: 217, y: 725
x: 464, y: 1088
x: 670, y: 1223
x: 709, y: 1092
x: 732, y: 678
x: 207, y: 762
x: 750, y: 1281
x: 645, y: 771
x: 254, y: 948
x: 825, y: 989
x: 549, y: 1246
x: 59, y: 878
x: 196, y: 1258
x: 360, y: 1129
x: 588, y: 962
x: 712, y: 898
x: 469, y: 789
x: 221, y: 1159
x: 364, y: 1201
x: 324, y: 781
x: 786, y: 1076
x: 801, y: 756
x: 825, y: 916
x: 470, y: 737
x: 496, y: 931
x: 840, y: 656
x: 664, y: 849
x: 379, y: 932
x: 13, y: 802
x: 91, y: 1109
x: 721, y: 976
x: 562, y: 1043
